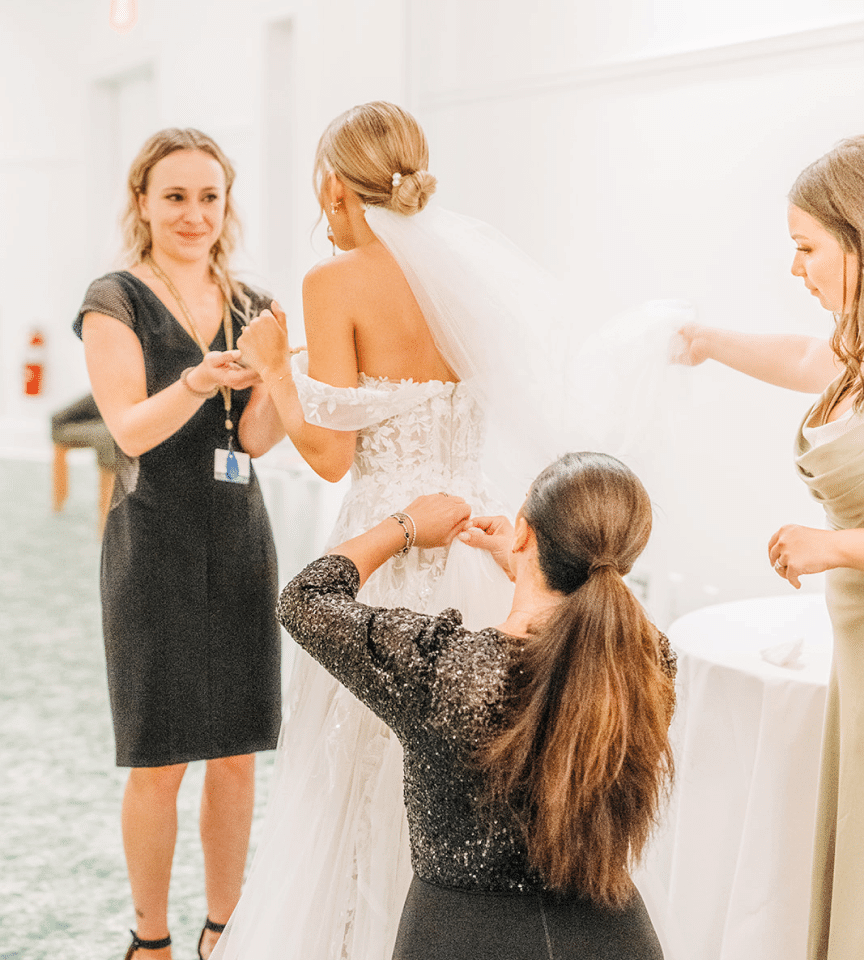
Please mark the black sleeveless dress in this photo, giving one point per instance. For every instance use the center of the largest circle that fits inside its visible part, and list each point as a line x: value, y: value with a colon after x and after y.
x: 188, y: 580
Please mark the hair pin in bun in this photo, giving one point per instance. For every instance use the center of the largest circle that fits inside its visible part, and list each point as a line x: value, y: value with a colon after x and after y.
x: 396, y: 179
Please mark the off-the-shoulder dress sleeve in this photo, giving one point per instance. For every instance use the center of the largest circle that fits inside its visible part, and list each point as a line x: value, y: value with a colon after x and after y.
x: 385, y: 657
x: 106, y: 295
x: 354, y: 408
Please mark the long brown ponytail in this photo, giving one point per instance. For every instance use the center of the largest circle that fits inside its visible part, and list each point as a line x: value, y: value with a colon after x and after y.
x: 583, y: 753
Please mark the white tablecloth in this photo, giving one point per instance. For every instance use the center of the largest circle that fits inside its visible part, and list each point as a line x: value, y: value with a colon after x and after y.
x: 736, y: 849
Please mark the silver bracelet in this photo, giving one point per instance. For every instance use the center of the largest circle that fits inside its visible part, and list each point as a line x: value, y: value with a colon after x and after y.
x: 413, y: 528
x: 196, y: 393
x: 400, y: 518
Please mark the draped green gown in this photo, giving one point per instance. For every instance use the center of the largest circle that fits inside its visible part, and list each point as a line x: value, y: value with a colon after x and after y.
x: 834, y: 472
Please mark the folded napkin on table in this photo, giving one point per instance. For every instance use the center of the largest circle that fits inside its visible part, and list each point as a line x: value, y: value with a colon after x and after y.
x: 785, y: 654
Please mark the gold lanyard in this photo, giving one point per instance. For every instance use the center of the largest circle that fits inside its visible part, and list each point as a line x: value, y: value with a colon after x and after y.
x: 227, y: 325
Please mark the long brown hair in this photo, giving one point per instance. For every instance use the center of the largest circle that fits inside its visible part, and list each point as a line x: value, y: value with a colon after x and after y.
x: 378, y: 150
x: 831, y: 190
x: 137, y: 240
x: 583, y: 751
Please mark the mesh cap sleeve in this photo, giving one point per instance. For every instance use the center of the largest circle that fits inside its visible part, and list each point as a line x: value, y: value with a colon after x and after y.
x: 106, y: 295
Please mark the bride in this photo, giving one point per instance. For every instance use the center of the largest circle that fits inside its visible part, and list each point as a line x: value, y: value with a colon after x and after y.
x: 413, y: 336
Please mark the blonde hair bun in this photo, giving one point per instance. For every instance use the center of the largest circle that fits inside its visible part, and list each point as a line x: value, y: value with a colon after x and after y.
x: 412, y: 193
x: 379, y: 151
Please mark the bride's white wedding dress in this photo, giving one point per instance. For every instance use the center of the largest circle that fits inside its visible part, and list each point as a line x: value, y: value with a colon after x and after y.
x: 331, y: 872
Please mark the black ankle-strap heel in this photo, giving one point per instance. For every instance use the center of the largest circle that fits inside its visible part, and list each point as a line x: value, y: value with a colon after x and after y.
x: 208, y: 925
x: 139, y: 944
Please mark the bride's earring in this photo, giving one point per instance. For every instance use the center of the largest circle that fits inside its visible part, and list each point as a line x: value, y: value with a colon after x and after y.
x: 331, y: 238
x: 334, y: 208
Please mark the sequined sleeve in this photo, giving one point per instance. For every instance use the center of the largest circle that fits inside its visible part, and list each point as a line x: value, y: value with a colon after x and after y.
x: 385, y: 657
x: 668, y: 657
x: 669, y: 665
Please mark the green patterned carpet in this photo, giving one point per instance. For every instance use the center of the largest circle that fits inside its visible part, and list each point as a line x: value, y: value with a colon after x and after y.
x: 63, y: 886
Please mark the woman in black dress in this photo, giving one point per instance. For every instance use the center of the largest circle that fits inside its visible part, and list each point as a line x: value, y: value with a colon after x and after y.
x: 188, y: 563
x: 536, y: 752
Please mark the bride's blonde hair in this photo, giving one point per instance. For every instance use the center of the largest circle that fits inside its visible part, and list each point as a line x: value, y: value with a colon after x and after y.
x: 379, y: 151
x: 831, y: 190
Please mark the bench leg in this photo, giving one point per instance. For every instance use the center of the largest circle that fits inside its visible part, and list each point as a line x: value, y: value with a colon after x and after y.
x: 60, y: 479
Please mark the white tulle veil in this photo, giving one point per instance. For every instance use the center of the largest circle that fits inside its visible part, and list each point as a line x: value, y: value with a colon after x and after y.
x: 509, y: 330
x: 500, y: 325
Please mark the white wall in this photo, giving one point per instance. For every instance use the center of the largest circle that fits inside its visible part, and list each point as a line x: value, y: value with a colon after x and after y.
x: 41, y: 170
x: 76, y: 101
x: 643, y: 150
x: 640, y: 149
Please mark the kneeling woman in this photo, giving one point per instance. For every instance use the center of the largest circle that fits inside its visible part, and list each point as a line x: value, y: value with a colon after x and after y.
x: 536, y: 752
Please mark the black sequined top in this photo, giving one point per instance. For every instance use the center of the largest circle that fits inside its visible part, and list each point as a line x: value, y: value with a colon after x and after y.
x: 440, y: 688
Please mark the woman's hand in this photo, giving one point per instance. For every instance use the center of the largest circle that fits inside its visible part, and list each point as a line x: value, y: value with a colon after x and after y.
x: 786, y: 360
x: 687, y: 345
x: 494, y: 534
x: 264, y: 342
x: 795, y: 551
x: 222, y: 369
x: 437, y: 517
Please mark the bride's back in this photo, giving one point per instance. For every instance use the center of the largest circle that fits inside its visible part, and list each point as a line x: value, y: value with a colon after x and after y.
x: 373, y: 155
x: 390, y: 334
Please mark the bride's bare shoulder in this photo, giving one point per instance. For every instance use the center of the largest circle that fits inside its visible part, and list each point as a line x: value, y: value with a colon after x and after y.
x: 362, y: 272
x: 325, y: 271
x: 336, y: 271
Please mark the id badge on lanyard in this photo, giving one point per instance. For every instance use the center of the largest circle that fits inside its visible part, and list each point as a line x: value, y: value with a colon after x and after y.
x: 231, y: 465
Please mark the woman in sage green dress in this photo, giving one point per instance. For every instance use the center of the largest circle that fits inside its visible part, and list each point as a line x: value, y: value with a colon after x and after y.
x: 826, y: 221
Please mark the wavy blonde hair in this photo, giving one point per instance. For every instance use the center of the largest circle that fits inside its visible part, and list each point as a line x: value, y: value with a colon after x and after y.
x: 137, y: 239
x: 366, y: 146
x: 831, y: 190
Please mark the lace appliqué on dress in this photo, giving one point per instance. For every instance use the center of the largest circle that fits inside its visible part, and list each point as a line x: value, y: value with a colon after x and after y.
x: 331, y: 876
x: 353, y: 408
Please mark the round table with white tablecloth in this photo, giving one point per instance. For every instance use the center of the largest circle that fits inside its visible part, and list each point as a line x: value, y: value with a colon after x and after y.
x: 737, y: 845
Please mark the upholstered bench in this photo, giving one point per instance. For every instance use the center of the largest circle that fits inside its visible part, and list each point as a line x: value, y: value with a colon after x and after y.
x: 80, y: 425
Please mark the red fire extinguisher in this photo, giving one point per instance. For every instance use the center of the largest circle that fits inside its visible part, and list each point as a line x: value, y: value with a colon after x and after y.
x: 34, y: 364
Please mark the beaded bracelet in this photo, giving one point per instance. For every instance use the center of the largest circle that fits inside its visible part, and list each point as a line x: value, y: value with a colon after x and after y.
x: 196, y: 393
x: 400, y: 518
